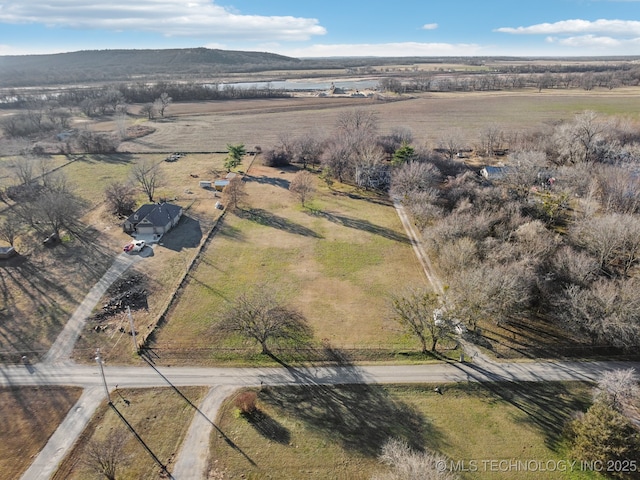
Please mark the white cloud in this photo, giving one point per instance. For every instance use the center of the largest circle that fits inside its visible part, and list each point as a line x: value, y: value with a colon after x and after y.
x: 196, y: 18
x: 429, y: 26
x: 404, y: 49
x: 596, y: 42
x: 577, y: 26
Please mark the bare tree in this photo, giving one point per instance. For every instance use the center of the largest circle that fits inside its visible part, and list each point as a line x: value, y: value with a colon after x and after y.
x: 526, y: 170
x: 120, y: 198
x: 56, y: 206
x: 491, y: 140
x: 357, y: 121
x: 618, y: 388
x: 302, y: 186
x: 148, y: 109
x: 614, y: 239
x: 414, y: 177
x: 619, y: 189
x: 577, y: 141
x: 418, y: 312
x: 423, y: 207
x: 407, y: 464
x: 337, y: 159
x: 571, y: 266
x: 103, y: 457
x: 10, y: 228
x: 24, y: 166
x: 307, y: 149
x: 451, y: 142
x: 121, y: 124
x: 162, y: 103
x: 372, y: 171
x: 261, y: 316
x: 491, y: 293
x: 608, y: 311
x: 235, y: 190
x: 148, y: 176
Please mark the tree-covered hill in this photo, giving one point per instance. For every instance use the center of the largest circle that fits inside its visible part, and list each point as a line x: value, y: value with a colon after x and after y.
x: 102, y: 65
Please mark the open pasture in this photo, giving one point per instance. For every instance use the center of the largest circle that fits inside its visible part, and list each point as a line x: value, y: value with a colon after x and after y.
x: 337, y: 432
x: 336, y: 261
x: 210, y: 126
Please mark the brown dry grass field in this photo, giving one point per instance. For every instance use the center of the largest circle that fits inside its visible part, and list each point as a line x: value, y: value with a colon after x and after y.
x: 160, y: 416
x: 210, y: 126
x: 28, y: 417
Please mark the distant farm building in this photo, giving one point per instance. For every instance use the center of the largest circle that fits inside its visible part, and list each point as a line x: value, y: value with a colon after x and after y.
x: 153, y: 220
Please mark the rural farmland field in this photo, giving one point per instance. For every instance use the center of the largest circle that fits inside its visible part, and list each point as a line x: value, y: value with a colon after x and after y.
x: 211, y: 126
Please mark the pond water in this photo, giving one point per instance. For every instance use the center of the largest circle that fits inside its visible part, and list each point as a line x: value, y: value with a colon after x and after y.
x: 361, y: 84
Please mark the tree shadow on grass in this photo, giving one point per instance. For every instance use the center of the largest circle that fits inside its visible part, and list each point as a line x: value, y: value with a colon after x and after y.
x: 276, y: 182
x: 268, y: 427
x: 360, y: 224
x: 340, y: 405
x: 268, y: 219
x: 547, y: 406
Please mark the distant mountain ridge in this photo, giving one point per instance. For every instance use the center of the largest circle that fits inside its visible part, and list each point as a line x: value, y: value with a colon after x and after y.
x: 102, y: 65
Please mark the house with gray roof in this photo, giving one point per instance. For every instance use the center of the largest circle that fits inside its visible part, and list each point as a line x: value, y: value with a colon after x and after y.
x: 153, y: 220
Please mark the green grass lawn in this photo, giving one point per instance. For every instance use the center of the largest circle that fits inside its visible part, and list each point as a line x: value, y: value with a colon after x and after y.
x: 336, y: 260
x: 336, y: 432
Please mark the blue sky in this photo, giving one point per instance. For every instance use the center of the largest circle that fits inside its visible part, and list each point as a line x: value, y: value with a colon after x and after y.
x: 325, y: 28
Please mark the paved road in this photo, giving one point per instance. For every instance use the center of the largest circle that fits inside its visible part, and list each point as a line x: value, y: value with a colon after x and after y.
x: 89, y: 376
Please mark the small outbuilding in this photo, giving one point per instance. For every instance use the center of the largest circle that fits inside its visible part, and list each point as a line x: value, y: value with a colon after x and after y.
x: 153, y: 219
x: 493, y: 173
x: 220, y: 184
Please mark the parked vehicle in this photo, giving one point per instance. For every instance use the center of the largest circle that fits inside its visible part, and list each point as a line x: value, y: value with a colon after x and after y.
x: 134, y: 246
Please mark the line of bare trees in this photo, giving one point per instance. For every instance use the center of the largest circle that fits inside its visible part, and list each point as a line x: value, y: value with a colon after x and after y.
x: 556, y: 235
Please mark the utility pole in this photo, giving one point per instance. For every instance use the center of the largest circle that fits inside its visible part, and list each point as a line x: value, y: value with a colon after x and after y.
x: 133, y: 330
x: 104, y: 380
